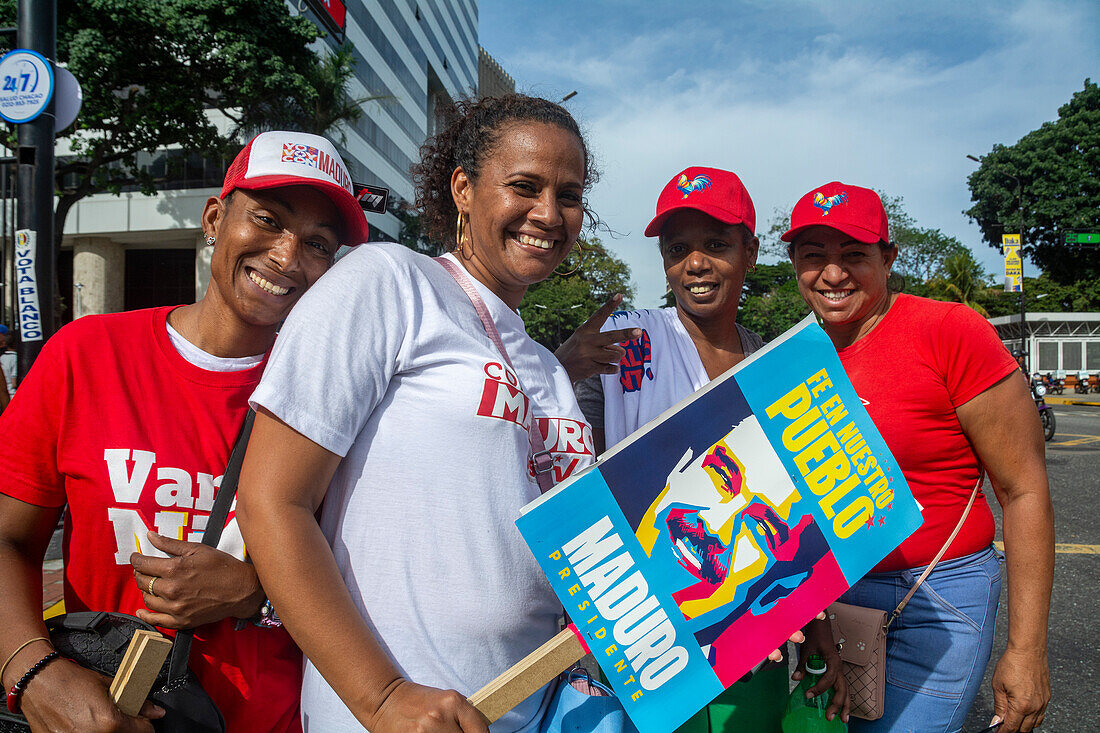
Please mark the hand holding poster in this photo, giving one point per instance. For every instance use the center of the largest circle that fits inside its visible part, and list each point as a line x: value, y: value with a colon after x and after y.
x: 700, y: 543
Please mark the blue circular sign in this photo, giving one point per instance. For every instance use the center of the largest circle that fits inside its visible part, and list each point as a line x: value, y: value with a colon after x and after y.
x: 26, y: 85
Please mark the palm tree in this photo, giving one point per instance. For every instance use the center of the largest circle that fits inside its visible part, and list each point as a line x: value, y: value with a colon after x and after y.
x: 328, y: 108
x: 963, y: 281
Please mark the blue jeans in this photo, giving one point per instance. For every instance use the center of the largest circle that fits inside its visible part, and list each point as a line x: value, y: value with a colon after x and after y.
x: 938, y: 649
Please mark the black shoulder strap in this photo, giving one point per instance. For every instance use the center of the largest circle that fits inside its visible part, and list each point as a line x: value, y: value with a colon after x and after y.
x: 181, y: 648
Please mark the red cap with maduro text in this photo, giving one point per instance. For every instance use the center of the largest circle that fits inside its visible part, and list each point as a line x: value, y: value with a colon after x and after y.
x: 277, y: 159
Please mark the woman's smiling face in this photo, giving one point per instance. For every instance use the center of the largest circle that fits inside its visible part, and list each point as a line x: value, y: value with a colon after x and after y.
x: 271, y: 245
x: 705, y: 262
x: 842, y: 279
x: 524, y: 210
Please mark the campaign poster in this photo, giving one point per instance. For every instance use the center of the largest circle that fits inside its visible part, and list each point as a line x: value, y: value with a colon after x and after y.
x: 703, y: 541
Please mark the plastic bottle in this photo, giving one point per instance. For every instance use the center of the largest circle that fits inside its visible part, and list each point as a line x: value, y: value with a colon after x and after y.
x: 808, y: 715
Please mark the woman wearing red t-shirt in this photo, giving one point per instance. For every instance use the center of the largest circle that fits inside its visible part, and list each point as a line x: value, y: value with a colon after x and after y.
x: 127, y: 421
x: 948, y: 399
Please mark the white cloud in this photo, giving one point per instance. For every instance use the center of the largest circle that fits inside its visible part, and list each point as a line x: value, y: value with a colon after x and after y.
x: 878, y: 100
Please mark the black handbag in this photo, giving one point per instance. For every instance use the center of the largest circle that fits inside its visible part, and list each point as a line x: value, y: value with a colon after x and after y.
x: 98, y: 639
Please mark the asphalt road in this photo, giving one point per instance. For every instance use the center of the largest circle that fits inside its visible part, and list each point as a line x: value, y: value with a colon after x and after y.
x: 1073, y: 465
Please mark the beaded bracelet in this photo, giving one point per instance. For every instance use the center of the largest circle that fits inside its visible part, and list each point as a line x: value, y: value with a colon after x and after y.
x: 16, y: 691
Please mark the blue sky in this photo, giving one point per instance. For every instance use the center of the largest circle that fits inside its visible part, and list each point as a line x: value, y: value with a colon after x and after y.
x: 790, y: 95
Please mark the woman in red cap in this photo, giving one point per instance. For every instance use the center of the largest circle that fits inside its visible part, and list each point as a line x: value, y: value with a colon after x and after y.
x: 705, y: 224
x: 128, y: 419
x: 949, y: 402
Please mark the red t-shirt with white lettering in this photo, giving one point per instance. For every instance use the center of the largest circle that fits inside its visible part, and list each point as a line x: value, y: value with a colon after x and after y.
x: 114, y: 422
x: 923, y: 360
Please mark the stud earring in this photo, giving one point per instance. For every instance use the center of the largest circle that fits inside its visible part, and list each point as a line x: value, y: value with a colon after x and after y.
x: 209, y: 240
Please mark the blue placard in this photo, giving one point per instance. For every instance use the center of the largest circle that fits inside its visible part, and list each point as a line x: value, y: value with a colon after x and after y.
x: 701, y: 542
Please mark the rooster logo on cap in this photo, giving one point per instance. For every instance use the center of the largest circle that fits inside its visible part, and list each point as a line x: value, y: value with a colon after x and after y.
x: 699, y: 183
x: 825, y: 203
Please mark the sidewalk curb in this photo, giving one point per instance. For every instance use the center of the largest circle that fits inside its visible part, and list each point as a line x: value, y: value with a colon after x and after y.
x: 1065, y: 401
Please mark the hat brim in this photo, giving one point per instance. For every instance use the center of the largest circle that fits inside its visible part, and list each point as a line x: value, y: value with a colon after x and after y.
x: 355, y: 229
x: 721, y: 215
x: 857, y: 233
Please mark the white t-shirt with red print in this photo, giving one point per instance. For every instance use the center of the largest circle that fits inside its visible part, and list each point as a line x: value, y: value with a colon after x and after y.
x: 385, y: 362
x: 659, y: 368
x: 133, y: 437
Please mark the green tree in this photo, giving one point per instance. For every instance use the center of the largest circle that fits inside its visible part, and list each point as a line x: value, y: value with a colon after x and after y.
x: 555, y: 307
x: 1044, y: 294
x: 154, y: 73
x: 1059, y: 168
x: 922, y: 251
x: 770, y: 301
x: 963, y: 281
x: 326, y: 107
x: 770, y: 243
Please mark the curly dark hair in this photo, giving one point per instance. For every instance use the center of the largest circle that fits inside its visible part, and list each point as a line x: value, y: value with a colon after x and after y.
x: 469, y: 130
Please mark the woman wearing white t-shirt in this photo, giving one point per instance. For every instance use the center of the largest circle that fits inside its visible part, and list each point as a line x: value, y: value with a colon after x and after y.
x: 705, y: 223
x: 386, y: 399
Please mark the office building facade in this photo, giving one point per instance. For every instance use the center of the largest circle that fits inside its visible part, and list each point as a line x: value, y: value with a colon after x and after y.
x: 410, y: 56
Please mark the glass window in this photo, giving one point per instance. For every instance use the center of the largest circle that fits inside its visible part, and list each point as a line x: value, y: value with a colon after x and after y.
x: 1071, y: 355
x: 1048, y: 356
x: 1092, y: 355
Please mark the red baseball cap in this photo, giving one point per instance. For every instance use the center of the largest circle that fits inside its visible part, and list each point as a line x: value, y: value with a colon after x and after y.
x: 280, y: 158
x: 713, y: 191
x: 856, y: 211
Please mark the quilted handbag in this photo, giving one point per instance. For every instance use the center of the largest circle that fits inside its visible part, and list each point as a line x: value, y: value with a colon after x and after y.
x: 860, y: 635
x: 98, y: 640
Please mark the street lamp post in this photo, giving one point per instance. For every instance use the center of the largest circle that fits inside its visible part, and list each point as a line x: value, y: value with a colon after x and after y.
x: 1023, y: 304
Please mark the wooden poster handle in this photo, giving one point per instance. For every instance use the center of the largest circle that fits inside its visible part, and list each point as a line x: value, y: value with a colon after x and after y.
x: 138, y: 671
x: 529, y: 674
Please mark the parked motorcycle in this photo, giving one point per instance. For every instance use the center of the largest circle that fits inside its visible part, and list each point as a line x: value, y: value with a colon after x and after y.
x: 1081, y: 386
x: 1054, y: 383
x: 1046, y: 412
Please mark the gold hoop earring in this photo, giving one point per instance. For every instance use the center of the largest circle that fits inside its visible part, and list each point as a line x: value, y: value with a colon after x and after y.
x: 584, y: 254
x: 752, y: 267
x: 460, y: 232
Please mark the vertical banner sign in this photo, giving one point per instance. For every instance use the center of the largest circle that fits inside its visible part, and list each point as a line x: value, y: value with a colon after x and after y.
x: 701, y: 542
x: 1014, y: 264
x: 26, y: 286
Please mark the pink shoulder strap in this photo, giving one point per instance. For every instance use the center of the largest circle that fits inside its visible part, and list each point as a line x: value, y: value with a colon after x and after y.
x: 541, y: 459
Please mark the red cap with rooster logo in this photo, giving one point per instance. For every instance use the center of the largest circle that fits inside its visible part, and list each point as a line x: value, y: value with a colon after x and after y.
x: 713, y: 191
x: 856, y: 211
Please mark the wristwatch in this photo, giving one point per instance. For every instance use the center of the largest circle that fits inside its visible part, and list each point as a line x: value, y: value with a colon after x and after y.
x: 267, y: 618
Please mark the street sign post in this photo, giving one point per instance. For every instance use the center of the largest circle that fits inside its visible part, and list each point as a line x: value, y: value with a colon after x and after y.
x: 1082, y: 238
x: 36, y: 43
x: 26, y: 85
